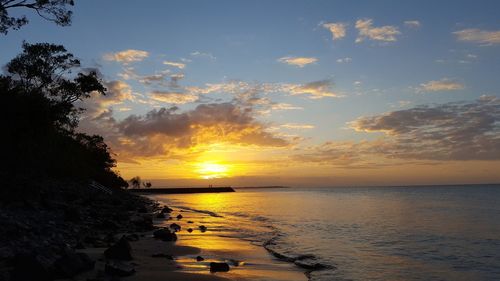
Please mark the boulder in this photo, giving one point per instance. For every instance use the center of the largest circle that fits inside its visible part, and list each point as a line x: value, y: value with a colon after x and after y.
x: 132, y: 237
x: 190, y: 222
x: 179, y: 216
x: 203, y: 228
x: 190, y: 230
x: 121, y: 250
x: 219, y: 267
x: 115, y: 268
x: 165, y: 235
x: 166, y: 210
x: 199, y: 258
x: 29, y: 267
x: 71, y: 263
x: 175, y: 227
x: 142, y: 222
x: 160, y: 215
x: 234, y: 262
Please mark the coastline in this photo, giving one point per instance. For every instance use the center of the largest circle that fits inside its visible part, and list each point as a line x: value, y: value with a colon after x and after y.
x: 65, y: 232
x: 178, y: 259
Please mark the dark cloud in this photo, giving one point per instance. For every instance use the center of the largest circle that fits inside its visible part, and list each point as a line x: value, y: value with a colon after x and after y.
x: 167, y: 132
x: 222, y: 122
x: 424, y: 134
x: 451, y: 131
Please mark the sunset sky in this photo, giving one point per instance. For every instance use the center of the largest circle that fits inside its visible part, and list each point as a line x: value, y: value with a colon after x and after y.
x: 306, y: 93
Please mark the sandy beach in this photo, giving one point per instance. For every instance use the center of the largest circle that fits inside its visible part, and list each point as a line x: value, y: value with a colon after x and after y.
x: 179, y: 260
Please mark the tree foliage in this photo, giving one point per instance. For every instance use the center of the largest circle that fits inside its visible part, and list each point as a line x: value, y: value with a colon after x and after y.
x: 39, y: 118
x: 135, y: 182
x: 56, y: 11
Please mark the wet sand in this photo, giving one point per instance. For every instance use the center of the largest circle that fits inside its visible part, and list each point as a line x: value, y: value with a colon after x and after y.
x: 247, y: 261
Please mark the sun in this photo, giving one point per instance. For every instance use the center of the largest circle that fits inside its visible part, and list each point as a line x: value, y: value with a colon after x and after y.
x: 210, y: 170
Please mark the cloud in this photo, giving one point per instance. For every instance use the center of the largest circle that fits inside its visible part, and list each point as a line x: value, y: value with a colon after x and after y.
x: 337, y: 29
x: 440, y: 85
x: 478, y: 36
x: 297, y: 126
x: 412, y: 23
x: 315, y: 90
x: 285, y: 106
x: 385, y: 33
x: 450, y: 131
x: 207, y: 123
x: 117, y: 92
x: 127, y: 56
x: 202, y: 54
x: 344, y: 60
x: 173, y: 97
x: 179, y: 65
x: 298, y: 61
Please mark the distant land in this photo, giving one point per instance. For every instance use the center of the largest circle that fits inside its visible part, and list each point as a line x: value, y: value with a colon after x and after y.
x: 183, y: 190
x: 256, y: 187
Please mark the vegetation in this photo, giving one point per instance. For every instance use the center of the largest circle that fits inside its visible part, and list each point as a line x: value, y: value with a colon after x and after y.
x: 136, y: 182
x: 51, y: 10
x: 39, y: 119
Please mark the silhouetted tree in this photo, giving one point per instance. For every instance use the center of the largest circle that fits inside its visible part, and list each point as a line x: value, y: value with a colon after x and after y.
x: 135, y: 182
x: 39, y: 118
x: 147, y: 184
x: 51, y: 10
x: 43, y: 68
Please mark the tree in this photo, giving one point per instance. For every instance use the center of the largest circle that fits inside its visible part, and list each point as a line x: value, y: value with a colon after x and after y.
x: 135, y: 182
x: 39, y: 120
x: 147, y: 184
x: 52, y: 10
x: 44, y: 68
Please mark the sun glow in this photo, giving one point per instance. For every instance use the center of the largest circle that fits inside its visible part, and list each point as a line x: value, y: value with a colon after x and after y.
x: 210, y: 170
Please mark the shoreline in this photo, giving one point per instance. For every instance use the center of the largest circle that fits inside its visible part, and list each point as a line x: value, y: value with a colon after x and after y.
x: 177, y: 260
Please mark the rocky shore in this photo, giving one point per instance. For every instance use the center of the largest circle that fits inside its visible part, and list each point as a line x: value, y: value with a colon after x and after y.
x: 43, y: 230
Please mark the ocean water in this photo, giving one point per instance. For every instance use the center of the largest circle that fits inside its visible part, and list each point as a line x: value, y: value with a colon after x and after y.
x: 372, y: 233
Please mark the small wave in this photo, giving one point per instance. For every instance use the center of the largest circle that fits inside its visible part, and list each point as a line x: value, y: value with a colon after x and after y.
x: 210, y: 213
x: 306, y: 261
x: 252, y: 217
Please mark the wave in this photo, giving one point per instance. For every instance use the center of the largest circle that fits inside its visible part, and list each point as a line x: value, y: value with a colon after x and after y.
x: 210, y: 213
x: 268, y: 240
x: 306, y: 261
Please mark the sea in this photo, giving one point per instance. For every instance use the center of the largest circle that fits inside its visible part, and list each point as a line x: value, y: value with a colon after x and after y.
x: 364, y: 233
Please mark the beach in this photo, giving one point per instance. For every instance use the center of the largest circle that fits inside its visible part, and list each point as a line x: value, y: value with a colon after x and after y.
x: 177, y: 260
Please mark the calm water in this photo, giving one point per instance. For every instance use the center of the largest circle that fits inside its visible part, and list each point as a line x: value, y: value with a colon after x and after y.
x: 396, y: 233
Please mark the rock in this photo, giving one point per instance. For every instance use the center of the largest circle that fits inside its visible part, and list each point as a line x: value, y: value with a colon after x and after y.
x: 190, y: 230
x: 80, y: 245
x: 162, y: 255
x: 203, y: 228
x: 71, y: 263
x: 175, y: 227
x: 28, y: 267
x: 199, y: 258
x: 166, y: 210
x: 179, y: 216
x: 115, y: 268
x: 132, y: 237
x: 190, y: 222
x: 160, y: 215
x: 144, y: 222
x: 121, y: 250
x: 165, y: 235
x: 219, y: 267
x: 234, y: 262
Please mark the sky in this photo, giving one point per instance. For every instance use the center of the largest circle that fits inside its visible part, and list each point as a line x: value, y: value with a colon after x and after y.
x: 300, y: 93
